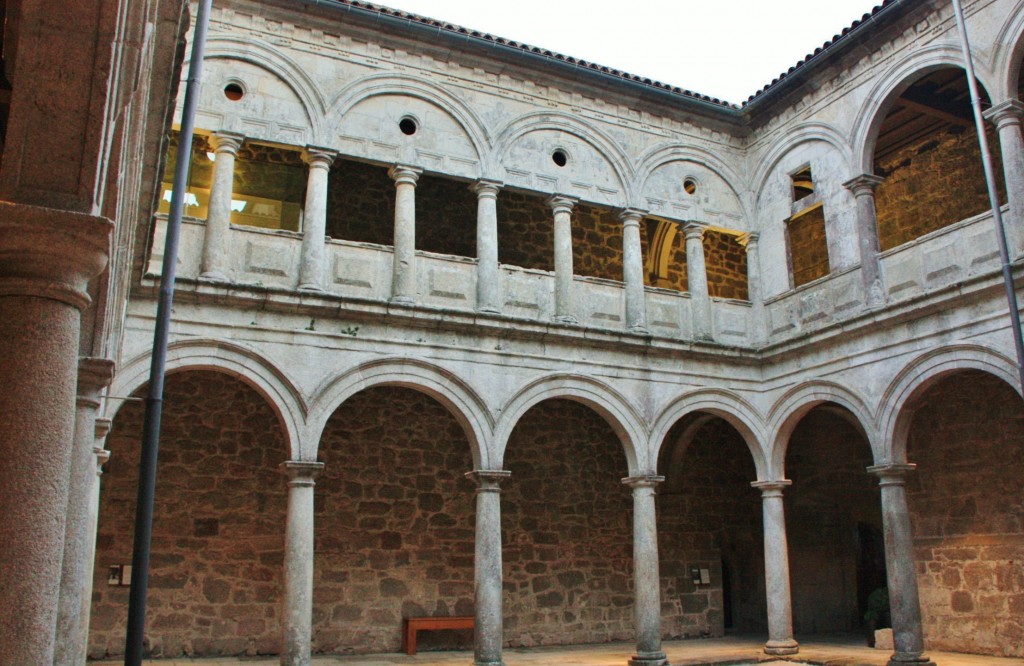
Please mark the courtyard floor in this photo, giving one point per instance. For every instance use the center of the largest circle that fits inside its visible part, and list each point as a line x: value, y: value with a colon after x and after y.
x: 828, y: 650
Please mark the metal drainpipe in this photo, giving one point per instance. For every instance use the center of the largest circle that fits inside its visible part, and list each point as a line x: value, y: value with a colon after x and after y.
x: 993, y: 195
x: 154, y: 400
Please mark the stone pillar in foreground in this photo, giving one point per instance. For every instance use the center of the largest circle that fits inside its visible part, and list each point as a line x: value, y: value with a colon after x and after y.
x: 488, y: 288
x: 647, y: 580
x: 697, y: 281
x: 750, y: 242
x: 70, y: 648
x: 297, y: 615
x: 776, y: 569
x: 565, y: 304
x: 863, y: 188
x: 101, y: 455
x: 1007, y: 116
x: 47, y: 258
x: 217, y: 242
x: 488, y: 635
x: 314, y: 220
x: 904, y: 603
x: 403, y: 267
x: 633, y: 270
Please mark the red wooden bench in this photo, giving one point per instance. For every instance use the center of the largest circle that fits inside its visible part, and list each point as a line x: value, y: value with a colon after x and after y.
x: 411, y: 625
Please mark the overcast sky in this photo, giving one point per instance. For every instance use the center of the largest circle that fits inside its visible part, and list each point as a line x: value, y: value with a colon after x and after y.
x: 724, y: 48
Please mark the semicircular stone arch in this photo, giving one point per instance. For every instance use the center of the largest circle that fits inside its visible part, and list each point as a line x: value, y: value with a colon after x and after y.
x: 595, y: 169
x: 247, y: 365
x: 791, y: 139
x: 896, y: 408
x: 726, y: 405
x: 1009, y: 55
x: 280, y: 102
x: 464, y: 404
x: 684, y: 186
x: 366, y: 120
x: 609, y: 404
x: 791, y: 408
x: 891, y: 85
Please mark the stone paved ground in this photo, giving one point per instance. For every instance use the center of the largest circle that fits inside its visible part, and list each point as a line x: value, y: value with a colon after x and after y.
x: 830, y: 651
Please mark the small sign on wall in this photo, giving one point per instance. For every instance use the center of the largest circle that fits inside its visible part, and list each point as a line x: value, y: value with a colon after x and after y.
x: 700, y: 576
x: 119, y: 575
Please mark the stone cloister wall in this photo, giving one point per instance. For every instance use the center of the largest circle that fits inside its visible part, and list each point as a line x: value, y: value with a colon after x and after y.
x: 967, y: 513
x: 710, y: 518
x: 218, y: 525
x: 834, y: 524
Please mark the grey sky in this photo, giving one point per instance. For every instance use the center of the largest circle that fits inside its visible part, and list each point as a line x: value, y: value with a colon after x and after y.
x: 724, y: 48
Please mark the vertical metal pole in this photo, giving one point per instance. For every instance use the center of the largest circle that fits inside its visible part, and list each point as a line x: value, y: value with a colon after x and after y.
x: 997, y: 214
x: 154, y: 400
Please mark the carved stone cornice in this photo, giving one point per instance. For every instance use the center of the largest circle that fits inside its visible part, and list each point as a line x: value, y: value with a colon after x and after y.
x: 226, y: 142
x: 771, y: 488
x: 405, y: 175
x: 488, y: 480
x: 561, y: 204
x: 864, y: 184
x: 1009, y: 112
x: 317, y: 157
x: 302, y: 472
x: 643, y: 481
x: 631, y: 216
x: 486, y: 189
x: 694, y: 230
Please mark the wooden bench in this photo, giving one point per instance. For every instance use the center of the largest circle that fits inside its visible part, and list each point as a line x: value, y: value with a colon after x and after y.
x: 411, y: 625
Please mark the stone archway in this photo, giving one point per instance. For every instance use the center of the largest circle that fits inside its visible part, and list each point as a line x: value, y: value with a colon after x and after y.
x: 218, y: 529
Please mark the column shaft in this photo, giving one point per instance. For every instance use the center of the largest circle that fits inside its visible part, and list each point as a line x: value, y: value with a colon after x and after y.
x: 403, y: 268
x: 565, y: 304
x: 47, y: 258
x: 751, y: 241
x: 216, y: 244
x: 101, y: 457
x: 904, y: 602
x: 488, y: 288
x: 633, y: 271
x: 647, y: 579
x: 863, y: 188
x: 1007, y: 118
x: 697, y: 281
x: 776, y: 569
x: 314, y: 221
x: 297, y: 616
x: 488, y: 635
x: 70, y: 647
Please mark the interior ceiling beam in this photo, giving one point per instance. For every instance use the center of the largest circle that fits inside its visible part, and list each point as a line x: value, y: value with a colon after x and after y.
x: 936, y: 109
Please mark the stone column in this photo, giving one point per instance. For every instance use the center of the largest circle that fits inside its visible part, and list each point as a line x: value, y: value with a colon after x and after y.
x: 47, y: 258
x: 904, y: 603
x: 1006, y: 116
x: 403, y: 268
x: 750, y: 242
x: 297, y: 614
x: 647, y: 580
x: 216, y: 244
x: 488, y: 288
x: 101, y: 455
x: 488, y: 635
x: 863, y: 188
x: 697, y: 281
x: 314, y: 221
x: 93, y: 375
x: 776, y: 569
x: 565, y: 304
x: 633, y: 270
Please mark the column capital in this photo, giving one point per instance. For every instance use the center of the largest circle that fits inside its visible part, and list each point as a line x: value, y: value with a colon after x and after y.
x: 1009, y: 112
x: 771, y: 488
x: 315, y: 156
x: 50, y: 253
x: 643, y: 481
x: 102, y: 427
x: 561, y: 204
x: 694, y: 230
x: 892, y: 474
x: 94, y: 374
x: 226, y: 142
x: 749, y: 240
x: 863, y: 184
x: 102, y: 456
x: 488, y: 480
x: 302, y: 472
x: 485, y: 188
x: 405, y: 175
x: 630, y: 216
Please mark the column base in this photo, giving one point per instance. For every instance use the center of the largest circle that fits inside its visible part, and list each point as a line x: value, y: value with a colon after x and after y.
x: 402, y: 300
x: 649, y: 659
x: 904, y: 658
x: 639, y: 330
x: 488, y: 310
x: 310, y: 287
x: 566, y: 319
x: 214, y: 276
x: 781, y: 647
x: 488, y: 663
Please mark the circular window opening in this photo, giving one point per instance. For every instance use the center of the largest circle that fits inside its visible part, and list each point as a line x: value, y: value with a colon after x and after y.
x: 408, y: 126
x: 234, y: 92
x: 560, y: 158
x: 690, y: 186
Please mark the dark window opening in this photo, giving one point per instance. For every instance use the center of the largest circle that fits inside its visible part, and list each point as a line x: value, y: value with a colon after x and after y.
x: 725, y: 260
x: 407, y: 126
x: 269, y: 187
x: 526, y: 231
x: 445, y: 216
x: 560, y: 158
x: 234, y: 92
x: 596, y: 242
x: 360, y: 203
x: 690, y: 186
x: 803, y: 184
